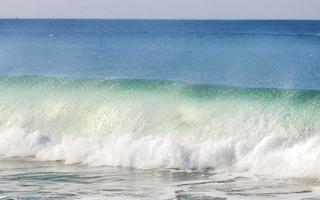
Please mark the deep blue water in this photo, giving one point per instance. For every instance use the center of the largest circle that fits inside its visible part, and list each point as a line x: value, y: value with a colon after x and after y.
x: 239, y: 53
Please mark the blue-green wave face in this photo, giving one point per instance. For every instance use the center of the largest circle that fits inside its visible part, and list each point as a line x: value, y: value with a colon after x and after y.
x: 103, y: 107
x: 153, y: 123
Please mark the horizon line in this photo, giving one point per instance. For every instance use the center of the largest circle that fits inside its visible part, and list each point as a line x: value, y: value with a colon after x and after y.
x: 167, y: 19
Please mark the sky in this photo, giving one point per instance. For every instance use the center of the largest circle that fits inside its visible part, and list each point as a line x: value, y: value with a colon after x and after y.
x: 161, y: 9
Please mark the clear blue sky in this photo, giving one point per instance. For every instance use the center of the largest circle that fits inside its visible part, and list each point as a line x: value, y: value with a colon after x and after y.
x: 162, y: 9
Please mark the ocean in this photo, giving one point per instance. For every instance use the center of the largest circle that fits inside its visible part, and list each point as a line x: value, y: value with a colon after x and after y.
x: 159, y: 109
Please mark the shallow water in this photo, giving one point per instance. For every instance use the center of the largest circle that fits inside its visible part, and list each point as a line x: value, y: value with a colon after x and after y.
x: 27, y: 179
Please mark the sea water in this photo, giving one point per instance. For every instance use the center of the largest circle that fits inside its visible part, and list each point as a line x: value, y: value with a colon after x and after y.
x: 159, y: 109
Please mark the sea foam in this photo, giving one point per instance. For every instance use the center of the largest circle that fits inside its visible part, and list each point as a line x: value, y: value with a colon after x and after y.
x: 271, y: 155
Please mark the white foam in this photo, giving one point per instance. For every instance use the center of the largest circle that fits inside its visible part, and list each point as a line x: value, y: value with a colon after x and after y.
x: 272, y: 155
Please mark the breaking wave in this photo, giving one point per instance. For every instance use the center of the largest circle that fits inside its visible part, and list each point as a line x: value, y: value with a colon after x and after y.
x: 161, y: 124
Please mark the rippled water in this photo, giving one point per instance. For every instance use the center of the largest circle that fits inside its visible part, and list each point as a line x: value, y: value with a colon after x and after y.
x: 26, y: 179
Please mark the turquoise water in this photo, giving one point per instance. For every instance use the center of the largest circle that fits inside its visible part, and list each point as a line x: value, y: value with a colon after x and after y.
x: 142, y: 109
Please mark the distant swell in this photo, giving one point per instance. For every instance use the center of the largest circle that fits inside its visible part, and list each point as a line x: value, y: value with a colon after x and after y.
x: 161, y: 124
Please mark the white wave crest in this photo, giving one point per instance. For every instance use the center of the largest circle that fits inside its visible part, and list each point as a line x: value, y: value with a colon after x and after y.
x: 271, y: 155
